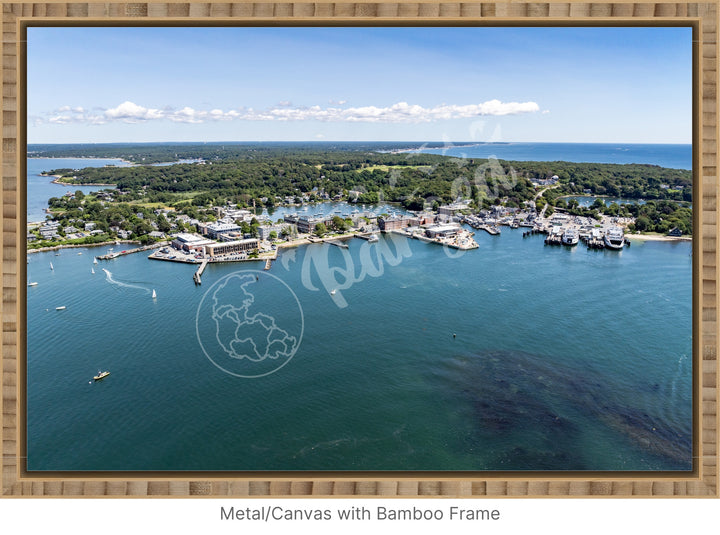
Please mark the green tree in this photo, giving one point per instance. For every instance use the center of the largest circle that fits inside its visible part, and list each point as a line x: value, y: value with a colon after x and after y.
x: 320, y: 229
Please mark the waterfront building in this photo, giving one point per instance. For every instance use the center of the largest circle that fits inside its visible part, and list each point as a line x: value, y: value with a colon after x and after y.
x: 306, y: 224
x: 214, y: 230
x: 264, y: 231
x: 453, y: 209
x: 392, y: 223
x: 442, y: 231
x: 190, y: 242
x: 239, y: 246
x: 424, y: 218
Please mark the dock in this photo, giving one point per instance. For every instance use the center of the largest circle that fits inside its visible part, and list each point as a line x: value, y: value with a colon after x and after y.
x: 268, y: 264
x: 200, y: 270
x: 553, y: 239
x: 365, y: 236
x: 493, y: 230
x: 338, y: 244
x: 111, y: 256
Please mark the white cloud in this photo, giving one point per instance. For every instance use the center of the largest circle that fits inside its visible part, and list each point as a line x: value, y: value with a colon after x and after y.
x: 401, y: 112
x: 130, y: 112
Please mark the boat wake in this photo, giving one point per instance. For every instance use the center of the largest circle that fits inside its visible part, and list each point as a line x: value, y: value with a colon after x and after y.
x: 111, y: 280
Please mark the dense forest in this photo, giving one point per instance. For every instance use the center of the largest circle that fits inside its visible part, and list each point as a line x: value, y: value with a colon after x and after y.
x: 149, y: 153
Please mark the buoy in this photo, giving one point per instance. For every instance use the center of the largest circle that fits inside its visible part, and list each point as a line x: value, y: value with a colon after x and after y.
x: 454, y: 335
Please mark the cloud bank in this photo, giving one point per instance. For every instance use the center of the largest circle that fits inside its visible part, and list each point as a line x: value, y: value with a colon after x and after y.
x: 401, y: 112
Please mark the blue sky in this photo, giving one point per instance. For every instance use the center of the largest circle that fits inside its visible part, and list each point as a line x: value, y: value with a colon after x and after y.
x: 629, y: 85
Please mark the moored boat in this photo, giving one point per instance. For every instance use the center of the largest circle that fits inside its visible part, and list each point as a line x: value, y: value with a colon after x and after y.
x: 32, y: 283
x: 373, y: 238
x: 614, y: 238
x: 571, y: 236
x: 101, y: 375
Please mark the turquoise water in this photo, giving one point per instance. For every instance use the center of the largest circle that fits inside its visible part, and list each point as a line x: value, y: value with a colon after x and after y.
x: 513, y: 356
x: 673, y: 156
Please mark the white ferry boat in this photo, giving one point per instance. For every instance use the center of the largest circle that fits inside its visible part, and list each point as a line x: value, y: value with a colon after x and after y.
x: 614, y: 238
x: 571, y: 237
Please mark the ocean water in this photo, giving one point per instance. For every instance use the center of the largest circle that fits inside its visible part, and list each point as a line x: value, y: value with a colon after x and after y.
x: 674, y: 156
x: 397, y: 355
x: 513, y: 356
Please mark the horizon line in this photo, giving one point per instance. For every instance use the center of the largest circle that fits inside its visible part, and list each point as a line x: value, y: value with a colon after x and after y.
x: 448, y: 144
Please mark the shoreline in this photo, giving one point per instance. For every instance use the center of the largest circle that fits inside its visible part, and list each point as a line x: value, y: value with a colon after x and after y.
x: 77, y: 245
x: 58, y: 181
x: 657, y: 237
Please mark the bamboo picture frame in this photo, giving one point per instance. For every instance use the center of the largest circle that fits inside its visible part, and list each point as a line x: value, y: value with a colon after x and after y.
x: 700, y: 482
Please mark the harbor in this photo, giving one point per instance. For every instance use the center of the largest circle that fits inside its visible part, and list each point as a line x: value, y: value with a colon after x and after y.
x: 424, y: 298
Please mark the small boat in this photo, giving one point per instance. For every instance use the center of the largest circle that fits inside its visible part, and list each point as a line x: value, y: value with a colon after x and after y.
x: 373, y: 238
x: 51, y: 266
x: 101, y: 375
x: 79, y: 253
x: 95, y: 260
x: 32, y: 283
x: 332, y: 292
x: 92, y: 270
x: 154, y: 295
x: 60, y: 308
x: 57, y: 254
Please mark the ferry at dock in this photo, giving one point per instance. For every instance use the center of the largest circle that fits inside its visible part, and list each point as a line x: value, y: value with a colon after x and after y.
x: 571, y: 236
x: 614, y: 238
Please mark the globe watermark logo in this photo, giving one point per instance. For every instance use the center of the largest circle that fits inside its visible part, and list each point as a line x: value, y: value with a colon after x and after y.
x: 249, y: 323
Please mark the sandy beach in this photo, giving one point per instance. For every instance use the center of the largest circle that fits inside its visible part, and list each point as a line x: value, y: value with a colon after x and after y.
x: 657, y: 237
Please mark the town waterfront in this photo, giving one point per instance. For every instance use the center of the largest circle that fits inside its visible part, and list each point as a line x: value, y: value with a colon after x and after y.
x: 513, y: 356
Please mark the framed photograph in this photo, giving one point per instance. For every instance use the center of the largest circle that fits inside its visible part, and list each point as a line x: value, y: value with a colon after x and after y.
x: 359, y: 249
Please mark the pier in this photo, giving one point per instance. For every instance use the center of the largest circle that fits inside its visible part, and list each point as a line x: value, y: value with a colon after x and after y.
x: 365, y: 236
x: 493, y: 230
x: 110, y: 256
x: 200, y: 270
x: 268, y: 264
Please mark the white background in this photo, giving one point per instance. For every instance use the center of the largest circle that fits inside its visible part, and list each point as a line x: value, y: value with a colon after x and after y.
x: 588, y: 516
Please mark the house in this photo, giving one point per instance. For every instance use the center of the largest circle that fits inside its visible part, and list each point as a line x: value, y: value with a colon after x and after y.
x: 675, y: 232
x: 90, y: 225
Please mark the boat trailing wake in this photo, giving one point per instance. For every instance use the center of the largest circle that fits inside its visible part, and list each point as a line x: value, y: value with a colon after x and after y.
x: 110, y: 279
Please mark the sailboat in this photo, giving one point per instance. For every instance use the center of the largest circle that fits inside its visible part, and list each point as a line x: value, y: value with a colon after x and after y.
x: 92, y: 270
x: 154, y: 295
x: 95, y: 260
x: 51, y: 266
